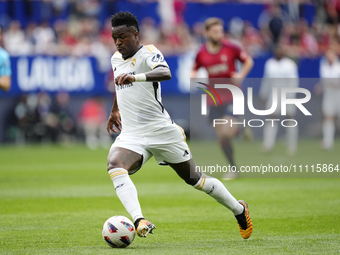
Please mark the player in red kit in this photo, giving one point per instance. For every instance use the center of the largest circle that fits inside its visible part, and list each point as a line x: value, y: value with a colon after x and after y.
x: 219, y: 59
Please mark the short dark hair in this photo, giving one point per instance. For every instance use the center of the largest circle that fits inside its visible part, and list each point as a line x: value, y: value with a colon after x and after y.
x: 125, y: 18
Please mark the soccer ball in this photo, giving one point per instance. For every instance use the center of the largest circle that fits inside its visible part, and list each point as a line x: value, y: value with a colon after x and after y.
x: 118, y: 232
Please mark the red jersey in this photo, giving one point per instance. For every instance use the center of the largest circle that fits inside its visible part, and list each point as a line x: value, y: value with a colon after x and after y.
x: 220, y: 65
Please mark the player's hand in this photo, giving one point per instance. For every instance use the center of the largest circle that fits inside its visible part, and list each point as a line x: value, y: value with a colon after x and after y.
x: 124, y: 78
x: 237, y: 78
x: 114, y: 121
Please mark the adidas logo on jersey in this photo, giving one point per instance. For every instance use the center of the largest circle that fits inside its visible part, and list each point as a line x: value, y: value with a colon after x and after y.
x: 185, y: 153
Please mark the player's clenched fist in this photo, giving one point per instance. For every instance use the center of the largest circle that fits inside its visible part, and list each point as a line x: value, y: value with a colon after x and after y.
x: 124, y: 78
x: 114, y: 120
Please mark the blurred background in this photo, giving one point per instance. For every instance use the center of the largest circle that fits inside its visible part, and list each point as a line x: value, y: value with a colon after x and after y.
x: 60, y: 50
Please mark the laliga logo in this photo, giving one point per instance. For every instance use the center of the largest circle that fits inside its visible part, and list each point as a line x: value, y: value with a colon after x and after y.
x: 238, y: 102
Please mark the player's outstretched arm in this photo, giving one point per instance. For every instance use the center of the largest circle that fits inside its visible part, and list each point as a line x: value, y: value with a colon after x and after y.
x: 114, y: 119
x: 160, y: 73
x: 247, y: 66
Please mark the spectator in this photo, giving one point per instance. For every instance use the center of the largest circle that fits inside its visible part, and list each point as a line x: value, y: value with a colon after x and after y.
x: 149, y: 32
x: 65, y: 125
x: 291, y: 41
x: 105, y: 34
x: 330, y: 75
x: 198, y: 33
x: 275, y: 24
x: 44, y: 38
x: 332, y: 8
x: 309, y: 43
x: 173, y: 36
x: 271, y: 23
x: 252, y: 41
x: 93, y: 119
x: 21, y: 116
x: 15, y: 41
x: 47, y: 123
x: 31, y: 112
x: 64, y: 40
x: 83, y: 47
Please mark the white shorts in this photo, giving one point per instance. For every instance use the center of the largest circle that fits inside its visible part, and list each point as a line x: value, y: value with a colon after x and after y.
x: 290, y: 109
x: 331, y: 102
x: 167, y: 145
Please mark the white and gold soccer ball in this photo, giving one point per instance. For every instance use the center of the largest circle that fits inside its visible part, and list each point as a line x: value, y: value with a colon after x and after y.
x: 118, y: 232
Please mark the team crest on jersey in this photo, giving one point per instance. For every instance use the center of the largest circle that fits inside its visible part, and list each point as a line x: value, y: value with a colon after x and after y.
x: 133, y: 63
x: 224, y: 58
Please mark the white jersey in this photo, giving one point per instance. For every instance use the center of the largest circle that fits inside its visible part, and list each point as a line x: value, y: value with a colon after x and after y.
x: 328, y: 70
x: 279, y: 73
x: 140, y: 103
x: 283, y: 68
x: 330, y: 79
x: 330, y: 74
x: 276, y: 73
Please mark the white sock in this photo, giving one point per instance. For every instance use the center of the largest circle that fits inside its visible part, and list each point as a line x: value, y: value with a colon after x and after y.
x: 328, y: 130
x: 292, y: 138
x: 216, y: 189
x: 269, y: 134
x: 126, y: 191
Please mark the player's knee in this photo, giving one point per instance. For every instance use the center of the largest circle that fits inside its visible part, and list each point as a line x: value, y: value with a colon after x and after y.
x: 113, y: 162
x: 227, y: 133
x: 329, y: 118
x: 192, y: 181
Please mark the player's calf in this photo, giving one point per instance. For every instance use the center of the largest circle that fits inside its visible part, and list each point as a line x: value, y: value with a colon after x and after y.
x: 187, y: 171
x: 126, y: 192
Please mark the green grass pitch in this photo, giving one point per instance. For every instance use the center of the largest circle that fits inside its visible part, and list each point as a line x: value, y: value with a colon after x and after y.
x: 55, y: 199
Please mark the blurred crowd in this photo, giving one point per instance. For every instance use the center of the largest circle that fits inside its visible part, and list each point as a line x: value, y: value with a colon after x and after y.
x: 84, y: 32
x: 42, y: 117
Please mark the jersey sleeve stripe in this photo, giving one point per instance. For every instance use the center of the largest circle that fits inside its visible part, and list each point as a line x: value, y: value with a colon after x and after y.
x: 147, y: 46
x: 151, y: 47
x: 157, y: 65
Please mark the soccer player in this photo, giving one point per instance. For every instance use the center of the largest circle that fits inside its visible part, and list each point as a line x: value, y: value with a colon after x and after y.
x: 147, y: 129
x: 330, y: 75
x: 219, y: 59
x: 279, y: 72
x: 5, y: 68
